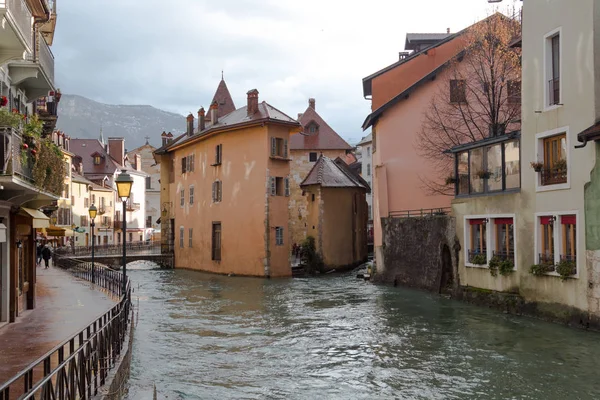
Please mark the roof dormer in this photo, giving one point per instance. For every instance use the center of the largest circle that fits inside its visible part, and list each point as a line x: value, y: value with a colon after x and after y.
x: 98, y: 158
x: 312, y: 128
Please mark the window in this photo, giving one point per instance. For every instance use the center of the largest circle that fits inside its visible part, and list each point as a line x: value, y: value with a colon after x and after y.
x: 106, y: 221
x: 370, y: 212
x: 148, y: 183
x: 458, y: 91
x: 280, y: 186
x: 216, y: 241
x: 130, y: 237
x: 278, y: 236
x: 191, y: 194
x: 477, y: 241
x: 73, y: 201
x: 83, y: 220
x: 557, y: 239
x: 217, y: 191
x: 312, y: 156
x: 190, y: 237
x: 312, y: 197
x: 66, y: 191
x: 513, y: 92
x: 368, y: 169
x: 553, y: 68
x: 187, y: 164
x: 555, y: 160
x: 86, y: 202
x: 141, y: 238
x: 369, y: 150
x: 93, y: 199
x: 149, y: 221
x: 488, y: 169
x: 218, y: 154
x: 504, y: 238
x: 312, y: 129
x: 119, y: 237
x: 182, y: 197
x: 97, y: 160
x: 279, y: 147
x: 181, y: 236
x: 67, y: 169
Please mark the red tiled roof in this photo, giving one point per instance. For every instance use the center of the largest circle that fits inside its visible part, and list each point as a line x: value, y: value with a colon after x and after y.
x: 329, y: 173
x: 325, y: 138
x: 85, y: 148
x: 223, y: 98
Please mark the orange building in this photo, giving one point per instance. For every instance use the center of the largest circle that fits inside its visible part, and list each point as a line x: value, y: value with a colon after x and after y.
x: 225, y: 191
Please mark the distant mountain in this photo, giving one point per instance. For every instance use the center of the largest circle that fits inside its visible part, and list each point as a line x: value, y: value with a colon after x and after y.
x: 80, y: 117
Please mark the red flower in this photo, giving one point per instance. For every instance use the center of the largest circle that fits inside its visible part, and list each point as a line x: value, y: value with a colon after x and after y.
x: 14, y: 110
x: 25, y: 146
x: 24, y: 116
x: 3, y: 101
x: 33, y: 151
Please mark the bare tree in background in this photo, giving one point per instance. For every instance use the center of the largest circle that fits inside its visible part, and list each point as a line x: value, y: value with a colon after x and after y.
x: 480, y: 98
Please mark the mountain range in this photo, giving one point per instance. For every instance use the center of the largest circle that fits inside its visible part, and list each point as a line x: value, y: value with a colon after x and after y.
x: 80, y: 117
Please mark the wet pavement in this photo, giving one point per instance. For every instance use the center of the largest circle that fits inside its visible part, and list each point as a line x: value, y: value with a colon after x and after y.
x: 65, y: 305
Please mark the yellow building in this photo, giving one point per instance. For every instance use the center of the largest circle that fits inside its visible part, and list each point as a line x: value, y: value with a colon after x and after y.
x: 337, y: 212
x: 224, y: 191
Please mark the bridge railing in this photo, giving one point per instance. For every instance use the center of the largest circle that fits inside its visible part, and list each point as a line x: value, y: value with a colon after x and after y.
x: 133, y: 248
x: 79, y: 366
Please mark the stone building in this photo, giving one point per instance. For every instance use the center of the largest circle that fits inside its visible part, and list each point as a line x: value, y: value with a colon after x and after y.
x: 317, y: 138
x: 336, y: 212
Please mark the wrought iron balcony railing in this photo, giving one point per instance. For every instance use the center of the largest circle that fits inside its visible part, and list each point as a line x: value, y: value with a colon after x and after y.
x: 20, y: 14
x: 553, y: 176
x: 14, y: 160
x: 554, y: 91
x: 503, y: 255
x: 546, y: 258
x: 475, y: 256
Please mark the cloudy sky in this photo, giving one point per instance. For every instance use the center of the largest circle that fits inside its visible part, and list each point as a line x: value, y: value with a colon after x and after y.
x: 170, y: 53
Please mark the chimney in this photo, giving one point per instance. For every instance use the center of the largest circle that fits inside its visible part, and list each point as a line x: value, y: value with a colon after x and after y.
x: 300, y: 116
x: 201, y: 119
x: 116, y: 149
x: 169, y: 137
x: 447, y: 30
x: 403, y: 54
x: 252, y: 102
x: 190, y: 124
x: 311, y: 103
x: 214, y: 109
x: 138, y: 162
x: 163, y: 137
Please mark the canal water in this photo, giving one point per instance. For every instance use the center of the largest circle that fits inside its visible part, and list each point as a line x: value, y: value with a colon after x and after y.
x: 205, y: 336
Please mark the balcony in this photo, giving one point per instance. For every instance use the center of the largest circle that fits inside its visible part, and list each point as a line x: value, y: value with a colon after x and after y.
x: 477, y: 257
x: 554, y: 175
x: 554, y: 91
x: 35, y: 74
x: 17, y: 32
x: 118, y: 224
x: 133, y: 206
x: 102, y: 210
x: 16, y: 172
x: 47, y: 110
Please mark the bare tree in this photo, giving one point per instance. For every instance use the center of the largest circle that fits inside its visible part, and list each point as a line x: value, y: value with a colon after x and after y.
x: 480, y: 97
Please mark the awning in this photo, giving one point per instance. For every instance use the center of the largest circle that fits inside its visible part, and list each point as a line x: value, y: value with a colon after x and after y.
x: 55, y: 231
x: 39, y: 218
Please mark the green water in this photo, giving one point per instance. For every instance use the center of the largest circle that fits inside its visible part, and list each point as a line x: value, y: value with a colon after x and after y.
x: 215, y: 337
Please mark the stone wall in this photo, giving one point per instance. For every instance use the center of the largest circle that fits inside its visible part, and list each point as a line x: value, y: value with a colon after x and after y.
x: 592, y: 236
x: 420, y: 253
x: 300, y: 166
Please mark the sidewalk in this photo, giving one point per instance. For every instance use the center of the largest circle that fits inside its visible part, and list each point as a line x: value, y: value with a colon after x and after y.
x: 65, y: 305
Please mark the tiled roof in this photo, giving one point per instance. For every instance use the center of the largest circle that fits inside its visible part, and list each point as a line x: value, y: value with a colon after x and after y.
x: 223, y: 98
x: 266, y: 113
x: 84, y: 148
x: 366, y: 139
x: 75, y: 177
x: 424, y: 38
x: 325, y: 138
x: 329, y: 173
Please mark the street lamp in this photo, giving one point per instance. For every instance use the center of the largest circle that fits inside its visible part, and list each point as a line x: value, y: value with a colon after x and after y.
x: 124, y: 182
x: 93, y: 211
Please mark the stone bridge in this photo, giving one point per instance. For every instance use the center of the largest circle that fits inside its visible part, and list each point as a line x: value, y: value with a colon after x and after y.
x: 112, y: 255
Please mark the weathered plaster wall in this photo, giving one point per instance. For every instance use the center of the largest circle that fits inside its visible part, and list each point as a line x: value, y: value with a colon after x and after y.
x: 300, y: 166
x: 413, y: 249
x: 592, y: 235
x: 313, y: 214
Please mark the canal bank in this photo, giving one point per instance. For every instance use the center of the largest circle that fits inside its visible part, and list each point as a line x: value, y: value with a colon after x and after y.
x: 334, y: 336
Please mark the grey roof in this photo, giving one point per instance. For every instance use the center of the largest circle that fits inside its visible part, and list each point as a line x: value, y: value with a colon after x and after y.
x: 366, y: 139
x: 411, y: 37
x: 327, y: 173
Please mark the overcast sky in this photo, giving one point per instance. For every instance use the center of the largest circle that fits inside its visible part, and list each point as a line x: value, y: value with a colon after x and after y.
x: 170, y: 53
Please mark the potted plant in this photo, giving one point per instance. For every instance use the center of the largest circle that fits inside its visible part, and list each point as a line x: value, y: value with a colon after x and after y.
x: 479, y: 259
x: 541, y: 269
x: 506, y: 267
x: 560, y: 165
x: 494, y: 265
x: 483, y: 174
x: 450, y: 180
x: 566, y: 268
x: 8, y: 118
x: 3, y: 101
x: 537, y: 166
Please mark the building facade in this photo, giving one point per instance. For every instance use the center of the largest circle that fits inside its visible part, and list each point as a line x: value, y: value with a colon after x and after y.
x: 317, y: 138
x: 225, y: 191
x: 366, y: 160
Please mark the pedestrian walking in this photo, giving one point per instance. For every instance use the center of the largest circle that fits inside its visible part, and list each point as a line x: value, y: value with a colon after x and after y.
x: 46, y: 255
x: 38, y: 253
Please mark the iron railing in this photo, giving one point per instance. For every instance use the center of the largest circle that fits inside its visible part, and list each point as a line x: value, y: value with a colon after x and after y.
x: 554, y: 91
x: 553, y: 176
x: 132, y: 206
x: 45, y: 57
x: 21, y: 16
x: 423, y: 212
x: 503, y: 255
x: 133, y: 248
x: 12, y: 160
x: 473, y: 253
x: 546, y: 259
x: 78, y: 367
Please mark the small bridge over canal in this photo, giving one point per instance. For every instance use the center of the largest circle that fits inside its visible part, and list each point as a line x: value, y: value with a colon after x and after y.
x: 112, y: 255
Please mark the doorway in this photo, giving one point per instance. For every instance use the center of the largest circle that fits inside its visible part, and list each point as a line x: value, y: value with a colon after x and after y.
x: 447, y: 278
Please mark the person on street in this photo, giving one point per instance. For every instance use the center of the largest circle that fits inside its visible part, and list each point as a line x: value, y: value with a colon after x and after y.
x: 38, y: 253
x: 46, y: 255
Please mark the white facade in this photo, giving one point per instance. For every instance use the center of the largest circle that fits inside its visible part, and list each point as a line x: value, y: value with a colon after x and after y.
x: 136, y: 207
x: 366, y: 147
x: 145, y: 157
x: 80, y: 198
x: 103, y: 198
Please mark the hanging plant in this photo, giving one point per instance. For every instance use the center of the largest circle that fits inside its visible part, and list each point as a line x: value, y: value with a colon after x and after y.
x: 34, y: 127
x: 566, y: 268
x: 484, y: 174
x: 49, y: 168
x: 3, y: 101
x: 8, y: 118
x: 537, y: 166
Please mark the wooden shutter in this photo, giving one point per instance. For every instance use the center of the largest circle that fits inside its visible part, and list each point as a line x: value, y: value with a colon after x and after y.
x: 183, y: 165
x: 191, y: 162
x: 219, y: 190
x: 285, y: 148
x: 273, y: 147
x: 214, y: 192
x: 287, y: 186
x: 273, y: 186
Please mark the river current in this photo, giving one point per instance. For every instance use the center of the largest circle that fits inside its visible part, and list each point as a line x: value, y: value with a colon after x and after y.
x: 202, y: 336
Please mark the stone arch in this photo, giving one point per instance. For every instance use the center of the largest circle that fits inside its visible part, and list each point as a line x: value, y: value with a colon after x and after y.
x: 446, y: 270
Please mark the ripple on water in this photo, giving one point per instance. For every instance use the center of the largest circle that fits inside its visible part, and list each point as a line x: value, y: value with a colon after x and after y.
x: 203, y: 336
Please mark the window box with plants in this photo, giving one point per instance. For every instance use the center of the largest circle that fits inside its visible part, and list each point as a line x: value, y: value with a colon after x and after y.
x: 483, y: 174
x: 537, y: 166
x: 478, y: 259
x: 566, y: 268
x: 502, y: 266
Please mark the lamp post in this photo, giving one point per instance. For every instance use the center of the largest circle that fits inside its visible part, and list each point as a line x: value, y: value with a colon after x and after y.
x: 124, y: 182
x: 93, y: 211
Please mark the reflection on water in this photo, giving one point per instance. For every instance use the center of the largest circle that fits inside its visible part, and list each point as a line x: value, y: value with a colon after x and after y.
x: 205, y: 336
